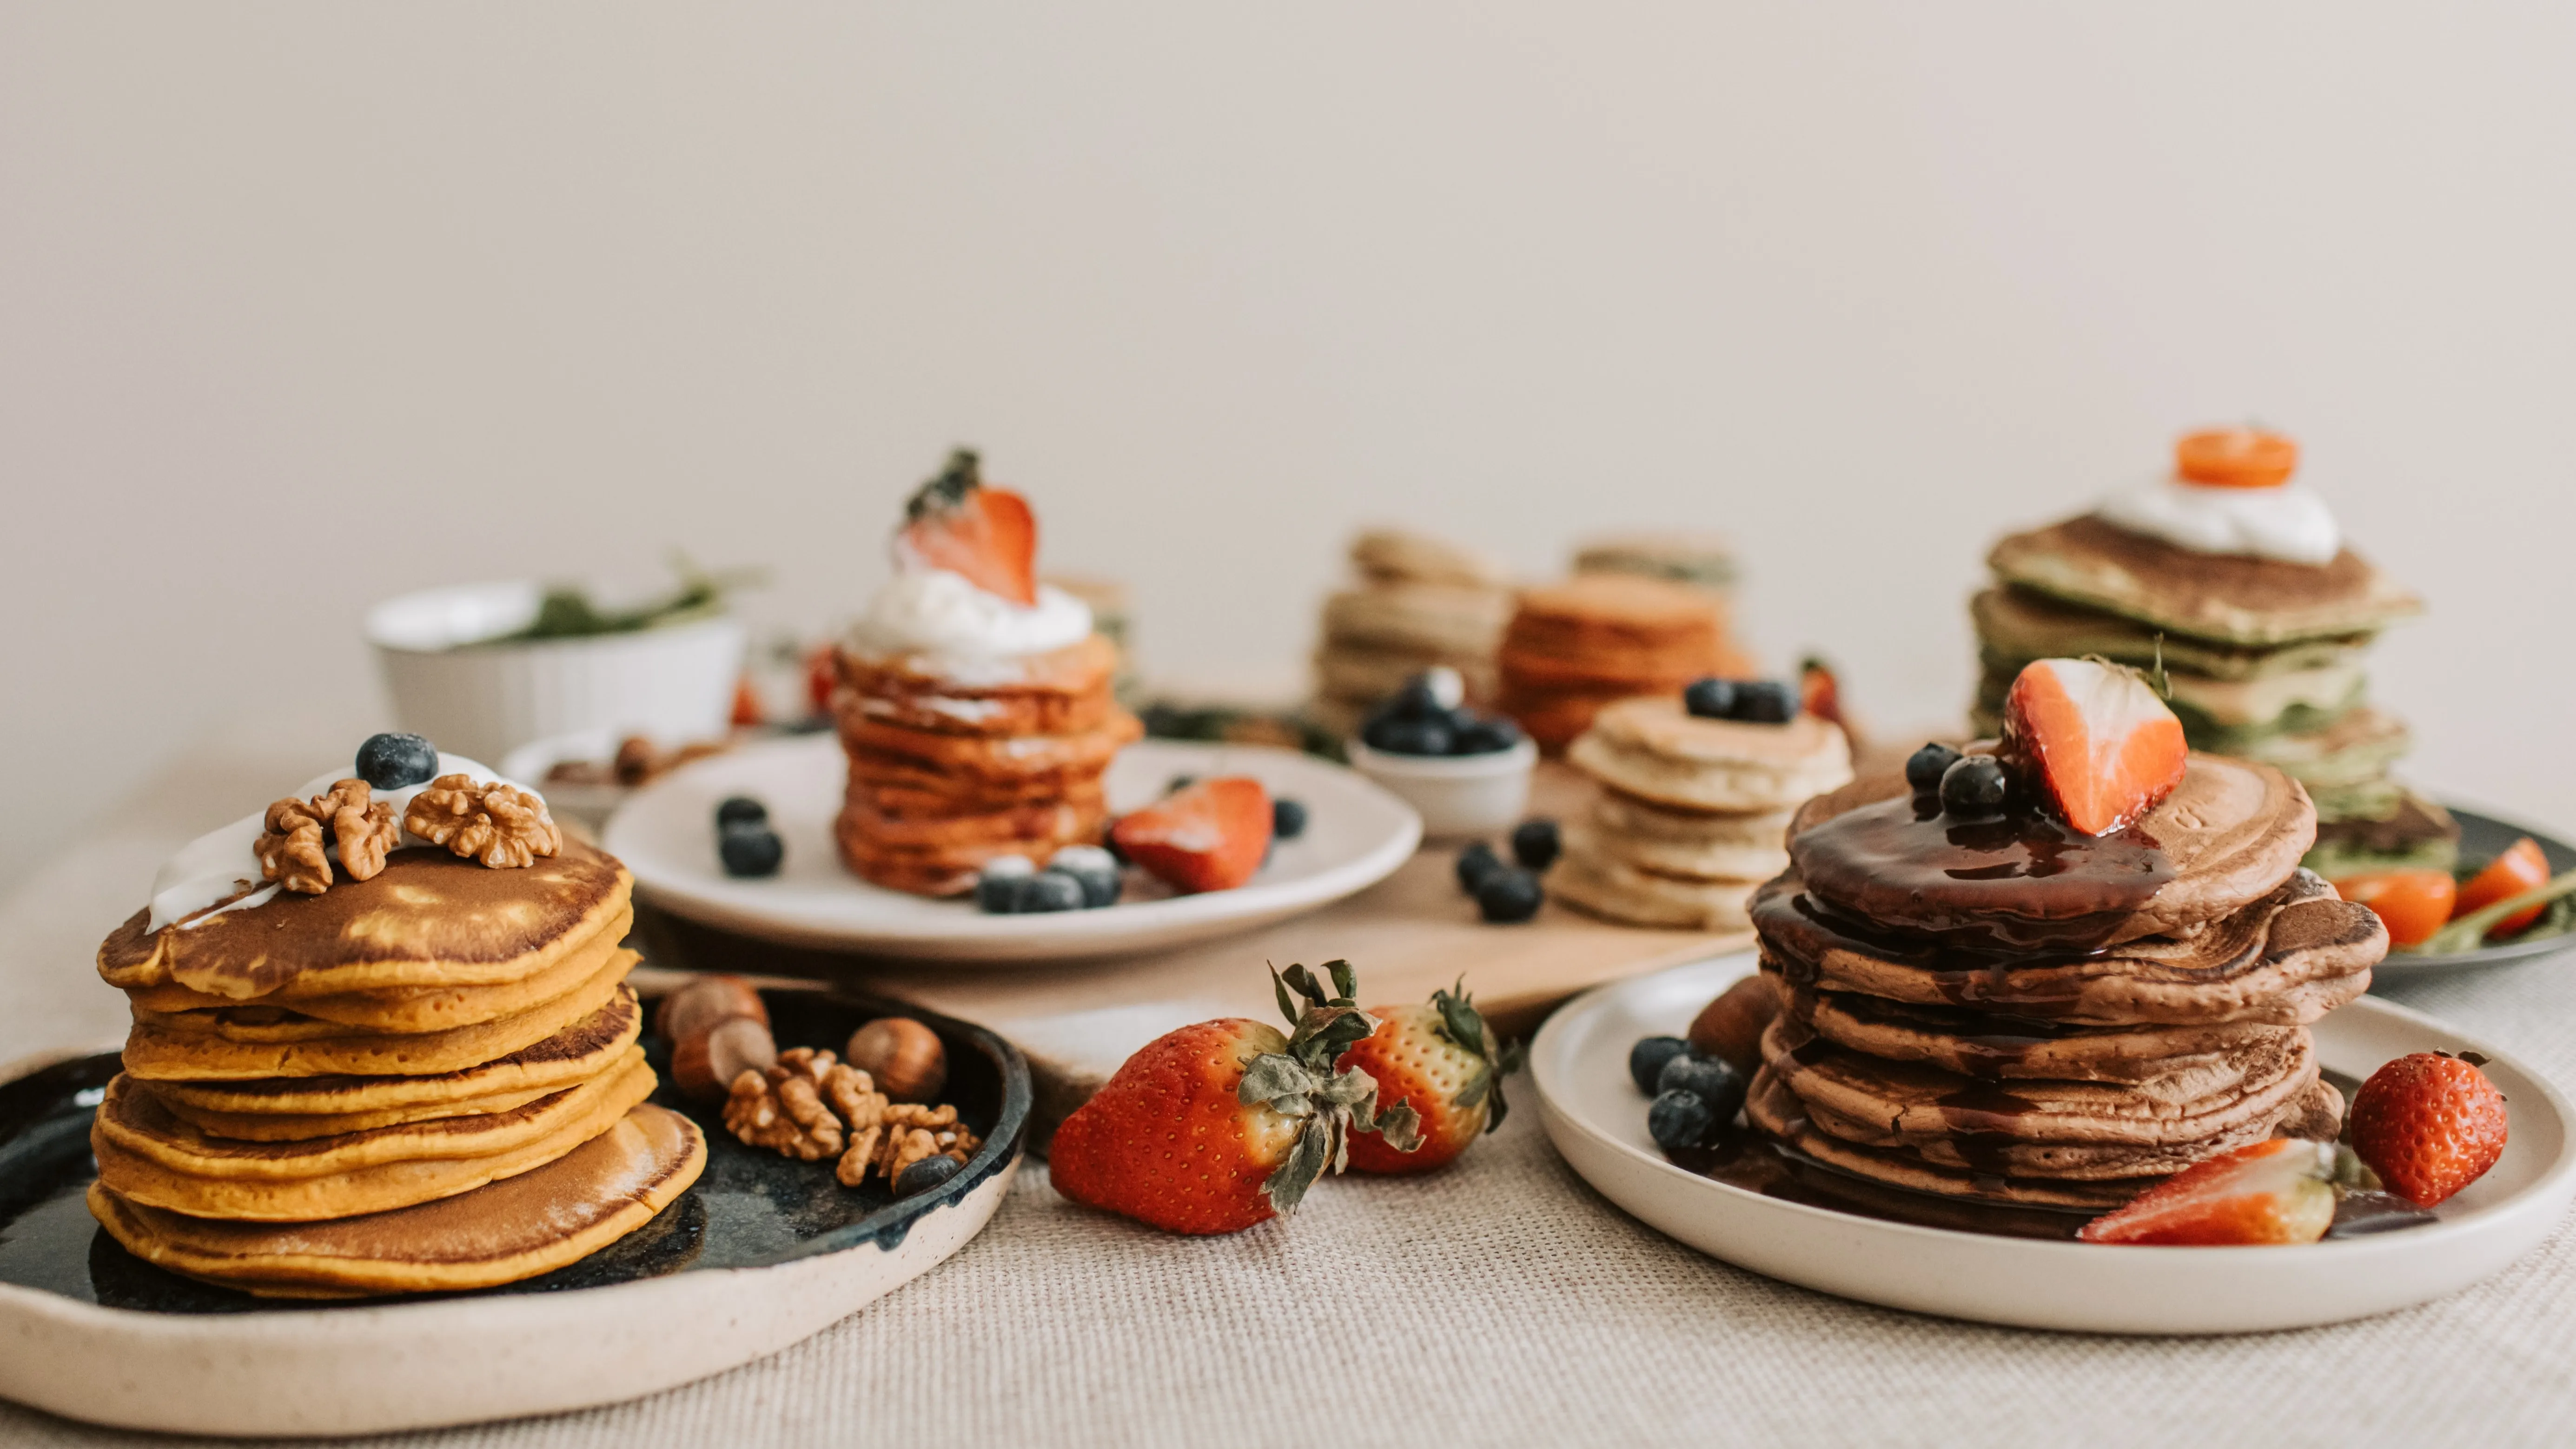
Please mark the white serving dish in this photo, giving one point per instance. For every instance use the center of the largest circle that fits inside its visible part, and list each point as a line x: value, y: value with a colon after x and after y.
x: 1456, y: 795
x: 486, y: 700
x: 1597, y: 1119
x: 1356, y: 835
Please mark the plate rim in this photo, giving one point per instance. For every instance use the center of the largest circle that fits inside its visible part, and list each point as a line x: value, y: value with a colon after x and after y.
x: 2402, y: 966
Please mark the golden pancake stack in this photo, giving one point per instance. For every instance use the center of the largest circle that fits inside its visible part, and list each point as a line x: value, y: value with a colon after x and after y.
x: 426, y: 1079
x: 1691, y: 813
x: 1598, y: 637
x: 1419, y: 603
x: 956, y: 762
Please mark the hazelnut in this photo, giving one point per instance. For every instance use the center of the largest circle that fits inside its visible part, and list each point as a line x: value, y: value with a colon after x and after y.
x: 903, y: 1056
x: 1730, y: 1028
x: 705, y: 1062
x: 704, y: 1002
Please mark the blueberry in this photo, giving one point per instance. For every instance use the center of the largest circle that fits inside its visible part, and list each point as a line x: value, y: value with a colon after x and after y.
x: 1416, y: 700
x: 741, y: 810
x: 1710, y: 698
x: 1973, y: 785
x: 1535, y: 843
x: 391, y: 762
x: 1475, y: 863
x: 1001, y: 888
x: 1178, y: 783
x: 1646, y: 1059
x: 1051, y: 890
x: 1287, y: 819
x: 1765, y: 701
x: 1486, y: 735
x: 1708, y: 1078
x: 1091, y: 869
x: 1509, y: 896
x: 1678, y: 1120
x: 926, y: 1174
x: 1409, y: 736
x: 1923, y: 768
x: 749, y: 850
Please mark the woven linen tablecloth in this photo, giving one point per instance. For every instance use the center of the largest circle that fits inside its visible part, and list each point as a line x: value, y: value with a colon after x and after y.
x: 1500, y: 1302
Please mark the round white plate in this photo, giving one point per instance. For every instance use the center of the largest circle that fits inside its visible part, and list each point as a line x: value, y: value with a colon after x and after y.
x: 1356, y: 835
x: 1597, y: 1119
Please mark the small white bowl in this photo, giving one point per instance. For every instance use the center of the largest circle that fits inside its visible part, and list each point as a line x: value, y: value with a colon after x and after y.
x: 486, y: 700
x: 1456, y: 795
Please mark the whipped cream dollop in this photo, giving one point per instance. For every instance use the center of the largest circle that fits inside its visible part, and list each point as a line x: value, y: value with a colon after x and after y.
x: 2287, y: 522
x: 935, y: 611
x: 221, y: 867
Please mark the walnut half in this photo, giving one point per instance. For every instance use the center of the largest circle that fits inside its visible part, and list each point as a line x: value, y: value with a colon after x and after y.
x: 296, y: 836
x: 498, y: 824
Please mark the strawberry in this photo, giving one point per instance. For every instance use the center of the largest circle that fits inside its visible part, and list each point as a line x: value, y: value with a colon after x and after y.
x: 2104, y: 749
x: 1819, y: 693
x: 2429, y: 1124
x: 1440, y: 1059
x: 1210, y: 835
x: 955, y: 522
x: 2279, y: 1191
x: 1221, y: 1125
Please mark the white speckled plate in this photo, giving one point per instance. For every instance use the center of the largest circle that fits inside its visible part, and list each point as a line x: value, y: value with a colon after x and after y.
x: 1356, y: 835
x: 1597, y: 1119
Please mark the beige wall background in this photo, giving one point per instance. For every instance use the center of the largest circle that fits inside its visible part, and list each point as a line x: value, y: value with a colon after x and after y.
x: 305, y: 304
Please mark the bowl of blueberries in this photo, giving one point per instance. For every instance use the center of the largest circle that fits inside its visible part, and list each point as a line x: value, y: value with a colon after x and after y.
x: 1466, y: 772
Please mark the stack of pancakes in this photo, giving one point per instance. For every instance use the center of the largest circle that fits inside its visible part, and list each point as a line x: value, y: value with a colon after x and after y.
x: 2265, y: 659
x: 955, y: 762
x: 1599, y: 637
x: 423, y: 1080
x: 1692, y: 812
x: 1419, y: 603
x: 2008, y: 1011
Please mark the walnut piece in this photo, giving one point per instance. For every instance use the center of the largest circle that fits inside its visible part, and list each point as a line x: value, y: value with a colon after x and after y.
x: 361, y: 826
x: 296, y: 837
x: 500, y: 825
x: 811, y: 1105
x: 290, y: 848
x: 782, y: 1109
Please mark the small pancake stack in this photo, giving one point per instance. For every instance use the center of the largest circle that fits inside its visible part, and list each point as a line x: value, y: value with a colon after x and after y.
x: 2005, y: 1010
x: 1419, y: 603
x: 1701, y: 560
x: 1598, y: 637
x: 1691, y: 813
x: 426, y: 1079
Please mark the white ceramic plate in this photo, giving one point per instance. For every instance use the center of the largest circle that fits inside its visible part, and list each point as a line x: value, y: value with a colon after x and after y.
x: 1356, y: 835
x: 1598, y: 1121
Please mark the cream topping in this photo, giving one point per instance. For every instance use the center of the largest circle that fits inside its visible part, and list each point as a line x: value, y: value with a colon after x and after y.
x: 2289, y: 522
x: 221, y: 867
x: 935, y: 611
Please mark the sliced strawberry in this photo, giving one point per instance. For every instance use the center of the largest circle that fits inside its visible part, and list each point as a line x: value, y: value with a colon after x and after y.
x: 1209, y: 836
x: 2105, y: 750
x: 1819, y: 693
x: 746, y: 704
x: 955, y: 522
x: 2280, y: 1191
x: 2235, y: 458
x: 2413, y: 904
x: 2429, y: 1124
x: 2522, y: 868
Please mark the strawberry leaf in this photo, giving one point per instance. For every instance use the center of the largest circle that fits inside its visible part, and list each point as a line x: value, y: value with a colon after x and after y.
x: 1313, y: 1151
x: 1399, y: 1126
x: 1281, y: 1083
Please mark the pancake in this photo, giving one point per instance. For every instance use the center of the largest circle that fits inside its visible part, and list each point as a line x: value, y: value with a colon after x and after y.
x: 905, y: 786
x: 149, y: 1157
x: 428, y: 918
x: 950, y: 869
x: 306, y: 1126
x: 575, y: 1054
x: 1654, y: 749
x: 2356, y: 749
x: 2016, y: 626
x: 500, y: 1233
x: 1628, y: 815
x: 1554, y: 717
x: 1444, y: 618
x: 986, y: 714
x: 408, y: 1008
x: 1744, y: 863
x: 1623, y: 893
x: 1077, y: 670
x: 2287, y: 960
x: 301, y: 1047
x: 1614, y: 617
x: 1396, y: 555
x: 2227, y: 836
x: 981, y: 757
x: 2222, y: 716
x: 2416, y: 832
x: 1070, y: 818
x: 1981, y: 1044
x: 1705, y: 560
x: 2226, y: 598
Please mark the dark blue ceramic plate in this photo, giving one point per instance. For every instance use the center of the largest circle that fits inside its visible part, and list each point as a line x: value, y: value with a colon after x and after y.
x: 2483, y: 838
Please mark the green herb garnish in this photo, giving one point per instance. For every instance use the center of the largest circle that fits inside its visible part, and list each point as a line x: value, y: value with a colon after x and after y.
x: 567, y: 611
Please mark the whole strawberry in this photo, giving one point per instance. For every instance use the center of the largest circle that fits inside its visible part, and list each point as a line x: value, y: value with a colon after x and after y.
x: 1440, y: 1059
x: 1218, y: 1126
x: 2429, y: 1124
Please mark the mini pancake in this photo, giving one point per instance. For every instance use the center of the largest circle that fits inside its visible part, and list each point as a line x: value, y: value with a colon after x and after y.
x: 1621, y: 624
x: 2356, y: 749
x: 2287, y: 960
x: 2229, y: 834
x: 1723, y: 861
x: 1628, y: 815
x: 2416, y: 832
x: 407, y: 1008
x: 2223, y: 716
x: 1422, y: 616
x: 2016, y: 626
x: 2227, y: 598
x: 1704, y: 560
x: 1555, y: 717
x: 575, y: 1054
x: 1077, y: 670
x: 1654, y: 749
x: 988, y: 715
x: 1985, y: 1045
x: 302, y: 1047
x: 1395, y: 555
x: 2368, y: 800
x: 502, y: 1232
x: 951, y: 869
x: 1623, y: 893
x: 147, y: 1156
x: 909, y: 787
x: 1068, y: 819
x: 983, y: 758
x: 427, y: 919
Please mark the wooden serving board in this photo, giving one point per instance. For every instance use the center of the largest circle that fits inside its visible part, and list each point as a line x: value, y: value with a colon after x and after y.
x: 1408, y: 934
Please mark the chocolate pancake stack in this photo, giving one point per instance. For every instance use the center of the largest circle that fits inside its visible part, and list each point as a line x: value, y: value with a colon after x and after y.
x: 2004, y: 1010
x: 2265, y: 659
x: 426, y: 1079
x: 955, y: 762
